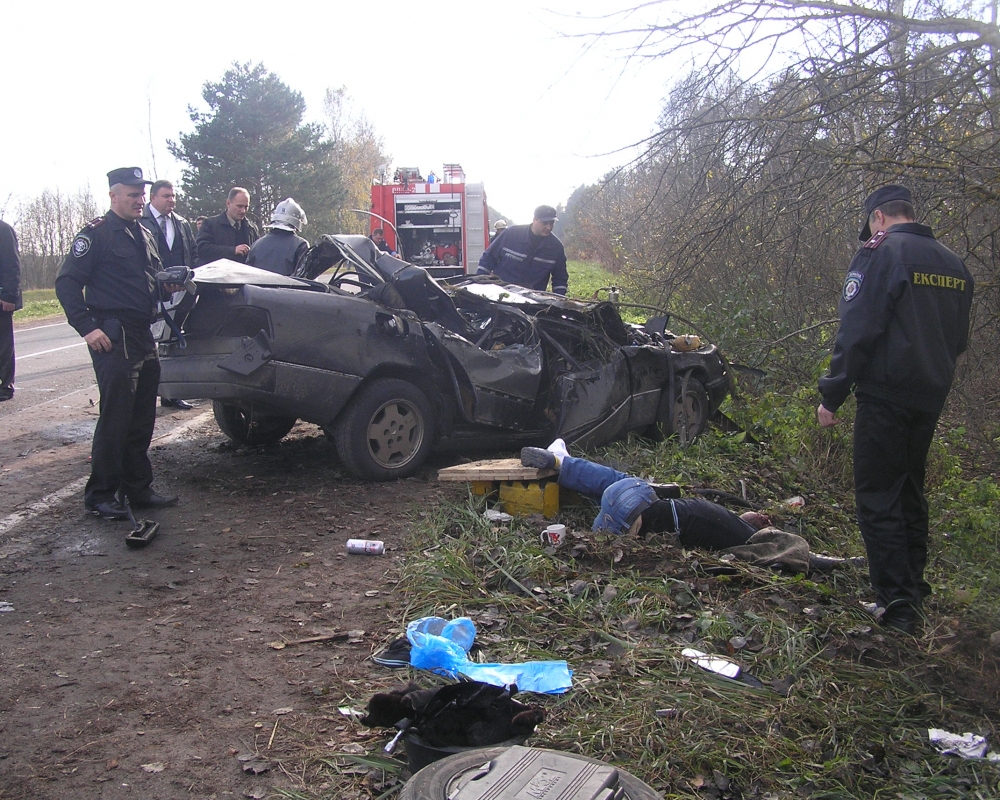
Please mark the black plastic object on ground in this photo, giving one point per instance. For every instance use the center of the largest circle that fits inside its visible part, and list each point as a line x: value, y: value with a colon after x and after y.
x: 440, y: 722
x: 419, y: 753
x: 143, y: 530
x: 500, y: 773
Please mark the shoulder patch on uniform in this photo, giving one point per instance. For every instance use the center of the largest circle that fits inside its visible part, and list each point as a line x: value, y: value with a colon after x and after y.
x: 853, y: 285
x: 81, y: 244
x: 96, y: 222
x: 875, y: 241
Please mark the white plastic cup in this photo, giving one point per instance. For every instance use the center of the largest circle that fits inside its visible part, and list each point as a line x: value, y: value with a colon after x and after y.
x: 554, y: 535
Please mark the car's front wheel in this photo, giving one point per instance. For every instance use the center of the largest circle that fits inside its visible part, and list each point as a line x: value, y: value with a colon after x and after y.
x: 250, y: 427
x: 386, y: 431
x: 687, y: 416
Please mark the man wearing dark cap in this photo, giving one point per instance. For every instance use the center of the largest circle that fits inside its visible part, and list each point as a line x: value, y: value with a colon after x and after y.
x: 528, y: 255
x: 10, y: 301
x: 106, y: 287
x: 904, y: 320
x: 230, y: 234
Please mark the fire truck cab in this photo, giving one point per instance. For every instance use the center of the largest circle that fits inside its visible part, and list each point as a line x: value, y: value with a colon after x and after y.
x: 441, y: 224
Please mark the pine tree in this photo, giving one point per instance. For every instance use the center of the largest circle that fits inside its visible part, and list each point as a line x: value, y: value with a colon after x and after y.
x: 253, y: 136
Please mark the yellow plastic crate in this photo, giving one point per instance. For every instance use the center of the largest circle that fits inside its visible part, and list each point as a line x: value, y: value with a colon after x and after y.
x: 530, y: 497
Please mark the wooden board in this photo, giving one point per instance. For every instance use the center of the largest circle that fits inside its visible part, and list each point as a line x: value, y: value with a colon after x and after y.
x: 503, y: 469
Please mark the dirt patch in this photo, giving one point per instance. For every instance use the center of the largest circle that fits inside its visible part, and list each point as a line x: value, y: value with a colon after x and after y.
x: 149, y: 672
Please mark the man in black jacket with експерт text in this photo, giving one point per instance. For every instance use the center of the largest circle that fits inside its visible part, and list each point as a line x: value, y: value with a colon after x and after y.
x: 904, y: 320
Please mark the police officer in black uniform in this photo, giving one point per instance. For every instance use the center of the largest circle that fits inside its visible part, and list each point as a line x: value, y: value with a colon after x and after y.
x: 107, y: 288
x: 904, y: 319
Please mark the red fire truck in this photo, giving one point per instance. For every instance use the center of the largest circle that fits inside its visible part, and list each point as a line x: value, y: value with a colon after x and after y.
x: 438, y: 223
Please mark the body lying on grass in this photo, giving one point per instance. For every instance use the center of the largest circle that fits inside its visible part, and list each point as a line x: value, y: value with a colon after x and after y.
x: 630, y: 505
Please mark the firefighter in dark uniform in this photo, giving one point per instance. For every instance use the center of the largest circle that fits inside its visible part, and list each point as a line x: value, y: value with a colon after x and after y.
x: 904, y: 319
x: 107, y: 288
x: 281, y: 249
x: 529, y: 255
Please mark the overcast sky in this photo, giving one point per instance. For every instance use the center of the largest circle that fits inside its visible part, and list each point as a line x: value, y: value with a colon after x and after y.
x: 494, y: 86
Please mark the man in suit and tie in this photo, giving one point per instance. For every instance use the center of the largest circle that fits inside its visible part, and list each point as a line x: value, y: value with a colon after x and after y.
x: 175, y: 241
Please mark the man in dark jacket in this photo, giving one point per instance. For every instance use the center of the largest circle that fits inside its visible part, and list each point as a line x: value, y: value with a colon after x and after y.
x: 528, y: 255
x: 10, y: 301
x: 175, y: 242
x: 230, y: 234
x: 904, y: 320
x: 281, y: 248
x: 106, y: 287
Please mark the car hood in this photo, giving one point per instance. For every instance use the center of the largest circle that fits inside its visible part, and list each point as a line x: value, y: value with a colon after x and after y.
x: 231, y: 273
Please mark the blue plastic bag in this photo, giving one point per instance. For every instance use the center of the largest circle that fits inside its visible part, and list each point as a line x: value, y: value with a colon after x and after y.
x: 442, y: 647
x: 544, y: 677
x: 439, y: 645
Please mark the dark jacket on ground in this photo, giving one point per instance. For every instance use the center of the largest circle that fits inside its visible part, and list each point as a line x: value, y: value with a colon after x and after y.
x: 519, y: 256
x: 904, y: 319
x: 109, y: 274
x: 218, y: 238
x: 10, y: 266
x: 278, y: 251
x: 185, y: 250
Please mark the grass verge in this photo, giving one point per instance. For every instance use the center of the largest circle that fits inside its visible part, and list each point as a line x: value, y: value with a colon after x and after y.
x: 843, y: 709
x: 38, y: 304
x: 839, y: 708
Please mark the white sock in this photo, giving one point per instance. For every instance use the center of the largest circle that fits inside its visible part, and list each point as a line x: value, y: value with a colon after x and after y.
x: 559, y: 448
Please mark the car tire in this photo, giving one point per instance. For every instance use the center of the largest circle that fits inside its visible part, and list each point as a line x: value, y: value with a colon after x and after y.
x: 434, y: 781
x: 691, y: 407
x: 249, y: 427
x: 386, y: 431
x: 690, y: 411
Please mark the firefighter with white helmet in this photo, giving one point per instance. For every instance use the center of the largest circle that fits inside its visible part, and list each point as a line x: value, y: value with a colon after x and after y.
x: 281, y: 249
x: 288, y: 215
x: 498, y: 228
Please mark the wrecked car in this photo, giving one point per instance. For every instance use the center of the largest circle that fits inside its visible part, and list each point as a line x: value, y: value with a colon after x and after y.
x: 391, y: 363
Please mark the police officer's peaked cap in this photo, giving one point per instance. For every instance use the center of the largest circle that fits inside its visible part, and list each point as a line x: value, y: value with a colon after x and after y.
x: 881, y: 197
x: 129, y: 176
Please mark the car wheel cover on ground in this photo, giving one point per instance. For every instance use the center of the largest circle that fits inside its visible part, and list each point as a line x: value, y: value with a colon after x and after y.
x: 435, y: 781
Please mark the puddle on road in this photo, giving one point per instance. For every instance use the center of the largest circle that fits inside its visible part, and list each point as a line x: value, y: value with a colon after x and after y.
x: 79, y: 542
x: 82, y: 431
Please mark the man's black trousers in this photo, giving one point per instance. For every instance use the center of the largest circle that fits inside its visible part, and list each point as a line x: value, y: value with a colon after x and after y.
x: 890, y: 457
x: 6, y: 352
x: 128, y: 382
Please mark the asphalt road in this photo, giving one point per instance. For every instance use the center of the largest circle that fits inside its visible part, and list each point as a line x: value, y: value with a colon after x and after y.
x: 46, y: 429
x: 52, y: 362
